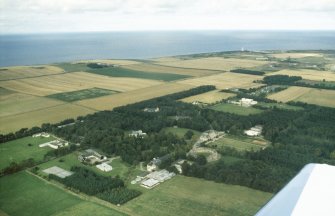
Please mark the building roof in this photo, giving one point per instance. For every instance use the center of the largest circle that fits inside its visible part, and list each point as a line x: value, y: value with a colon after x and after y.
x: 311, y: 192
x: 104, y: 167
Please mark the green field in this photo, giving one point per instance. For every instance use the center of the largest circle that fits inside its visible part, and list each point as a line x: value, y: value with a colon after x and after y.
x: 239, y: 143
x: 18, y: 150
x: 279, y: 106
x: 22, y: 194
x: 235, y: 109
x: 123, y: 72
x: 82, y: 94
x: 69, y: 67
x: 192, y: 196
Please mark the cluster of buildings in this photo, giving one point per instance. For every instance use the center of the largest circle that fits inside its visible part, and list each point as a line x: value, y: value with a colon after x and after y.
x: 55, y: 144
x: 254, y: 131
x: 245, y: 102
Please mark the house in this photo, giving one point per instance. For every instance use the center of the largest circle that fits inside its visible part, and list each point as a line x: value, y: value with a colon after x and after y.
x: 254, y: 131
x: 55, y: 144
x: 151, y: 110
x: 153, y: 165
x: 138, y: 133
x: 43, y: 134
x: 246, y: 102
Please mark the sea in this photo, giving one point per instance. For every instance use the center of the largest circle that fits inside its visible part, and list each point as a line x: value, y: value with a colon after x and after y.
x: 33, y: 49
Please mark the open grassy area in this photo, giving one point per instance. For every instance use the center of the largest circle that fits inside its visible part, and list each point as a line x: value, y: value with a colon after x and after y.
x: 82, y: 94
x: 208, y: 97
x: 22, y: 194
x: 239, y: 143
x: 18, y: 150
x: 235, y: 109
x: 319, y: 97
x: 191, y: 196
x: 125, y: 72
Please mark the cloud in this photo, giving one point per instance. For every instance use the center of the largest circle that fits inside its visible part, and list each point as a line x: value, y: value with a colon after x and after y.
x: 100, y: 15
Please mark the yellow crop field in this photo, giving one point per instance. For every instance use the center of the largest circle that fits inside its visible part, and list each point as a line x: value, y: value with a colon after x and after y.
x: 17, y: 103
x: 110, y: 61
x: 307, y: 74
x: 208, y: 97
x: 47, y: 85
x: 112, y: 101
x: 215, y: 63
x: 19, y: 72
x: 320, y: 97
x: 295, y: 55
x: 36, y: 118
x: 225, y: 80
x: 165, y: 69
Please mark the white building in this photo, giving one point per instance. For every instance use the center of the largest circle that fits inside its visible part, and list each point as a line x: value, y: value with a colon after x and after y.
x: 254, y: 131
x: 246, y: 102
x: 151, y: 110
x: 138, y: 133
x: 43, y: 134
x: 155, y: 178
x: 55, y: 144
x: 149, y: 183
x: 104, y: 167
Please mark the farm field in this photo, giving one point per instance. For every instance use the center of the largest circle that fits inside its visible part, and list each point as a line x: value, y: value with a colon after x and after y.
x: 17, y: 103
x: 18, y: 150
x: 38, y: 117
x: 307, y: 74
x: 215, y: 63
x: 319, y: 97
x: 226, y: 80
x: 235, y: 109
x: 208, y: 97
x: 295, y: 55
x: 239, y: 143
x: 112, y: 101
x: 126, y: 72
x: 19, y: 72
x: 191, y: 196
x: 82, y: 94
x: 23, y: 194
x: 165, y: 69
x: 46, y: 85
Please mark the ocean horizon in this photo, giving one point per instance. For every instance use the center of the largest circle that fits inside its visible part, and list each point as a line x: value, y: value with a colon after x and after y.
x: 48, y: 48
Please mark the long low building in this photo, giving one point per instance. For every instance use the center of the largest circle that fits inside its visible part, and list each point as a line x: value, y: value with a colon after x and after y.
x: 104, y: 167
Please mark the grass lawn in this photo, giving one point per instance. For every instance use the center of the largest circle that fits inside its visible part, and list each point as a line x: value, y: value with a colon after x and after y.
x: 123, y: 72
x: 82, y: 94
x: 235, y: 109
x: 239, y: 143
x: 279, y: 106
x: 69, y: 67
x: 24, y: 194
x: 18, y: 150
x: 192, y: 196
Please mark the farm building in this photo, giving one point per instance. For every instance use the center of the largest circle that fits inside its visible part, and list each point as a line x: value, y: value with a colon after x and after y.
x: 210, y: 135
x: 254, y: 131
x: 138, y: 133
x: 245, y: 102
x: 153, y: 179
x: 178, y: 166
x: 91, y: 157
x: 55, y: 170
x: 43, y: 134
x: 104, y: 167
x: 55, y: 144
x: 151, y: 110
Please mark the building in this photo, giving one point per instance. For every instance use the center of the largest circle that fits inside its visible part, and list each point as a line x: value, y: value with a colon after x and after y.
x: 90, y: 156
x: 43, y: 134
x: 254, y: 131
x: 151, y: 110
x: 178, y: 165
x: 153, y: 165
x: 155, y: 178
x: 55, y: 144
x: 104, y: 167
x: 311, y: 192
x: 138, y: 133
x: 246, y: 102
x: 149, y: 183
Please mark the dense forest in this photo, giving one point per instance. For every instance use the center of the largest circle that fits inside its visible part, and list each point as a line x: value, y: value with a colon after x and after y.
x: 298, y: 137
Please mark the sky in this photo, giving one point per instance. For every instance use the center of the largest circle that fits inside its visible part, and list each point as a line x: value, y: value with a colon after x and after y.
x: 37, y: 16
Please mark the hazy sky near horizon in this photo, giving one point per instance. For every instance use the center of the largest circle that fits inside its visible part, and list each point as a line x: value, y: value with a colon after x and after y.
x: 29, y: 16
